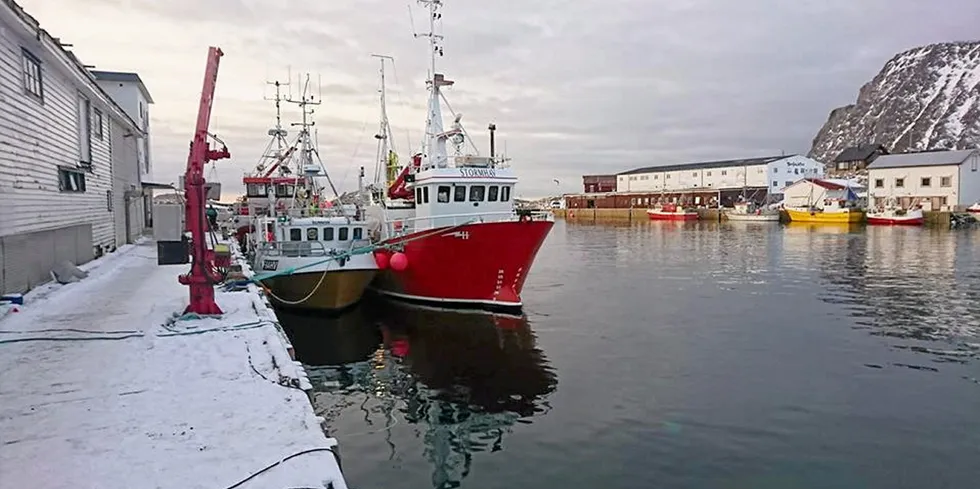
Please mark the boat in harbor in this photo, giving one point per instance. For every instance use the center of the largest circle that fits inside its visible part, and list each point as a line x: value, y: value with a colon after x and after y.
x: 750, y: 211
x: 447, y: 225
x: 671, y: 212
x: 836, y: 203
x: 298, y: 240
x: 891, y: 214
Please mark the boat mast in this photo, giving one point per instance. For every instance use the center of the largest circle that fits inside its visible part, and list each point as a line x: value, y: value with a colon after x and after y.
x: 387, y: 154
x: 434, y: 151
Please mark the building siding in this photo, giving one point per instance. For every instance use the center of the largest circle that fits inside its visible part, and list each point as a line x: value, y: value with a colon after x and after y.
x: 35, y: 139
x: 912, y: 185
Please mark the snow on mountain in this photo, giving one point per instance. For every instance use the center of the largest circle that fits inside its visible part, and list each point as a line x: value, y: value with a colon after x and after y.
x: 924, y: 98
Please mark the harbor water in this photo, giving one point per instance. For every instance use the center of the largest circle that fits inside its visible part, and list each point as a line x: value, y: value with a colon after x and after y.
x: 676, y: 355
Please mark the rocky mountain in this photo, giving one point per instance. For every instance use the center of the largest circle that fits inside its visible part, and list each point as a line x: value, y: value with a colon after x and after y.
x: 924, y: 98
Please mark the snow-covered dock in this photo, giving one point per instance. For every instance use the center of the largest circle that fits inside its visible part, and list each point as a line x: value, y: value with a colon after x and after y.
x: 98, y: 390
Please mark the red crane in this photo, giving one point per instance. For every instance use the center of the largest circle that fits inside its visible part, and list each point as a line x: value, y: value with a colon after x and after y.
x: 203, y: 274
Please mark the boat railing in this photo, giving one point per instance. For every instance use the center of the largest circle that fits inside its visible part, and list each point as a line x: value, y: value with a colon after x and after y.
x: 305, y: 249
x: 404, y: 226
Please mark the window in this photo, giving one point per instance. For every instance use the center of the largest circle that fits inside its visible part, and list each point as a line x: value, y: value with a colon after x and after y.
x: 775, y: 171
x: 84, y: 130
x: 312, y: 234
x: 256, y: 190
x: 97, y: 124
x: 879, y: 183
x: 459, y: 193
x: 477, y: 193
x: 328, y: 234
x: 724, y: 172
x: 945, y: 181
x: 296, y: 234
x: 926, y: 182
x: 899, y: 182
x: 645, y: 177
x: 418, y: 195
x: 656, y: 177
x: 667, y: 177
x: 285, y: 190
x: 842, y: 165
x: 787, y: 184
x: 632, y: 179
x: 108, y: 200
x: 32, y: 75
x: 504, y: 193
x: 71, y: 180
x: 425, y: 195
x: 707, y: 174
x: 443, y: 194
x: 759, y: 171
x: 796, y: 171
x: 342, y: 234
x: 774, y: 184
x: 492, y: 192
x: 358, y: 233
x: 695, y: 174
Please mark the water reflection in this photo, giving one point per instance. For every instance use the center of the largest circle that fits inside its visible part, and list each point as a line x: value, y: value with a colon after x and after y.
x: 900, y: 283
x: 465, y: 379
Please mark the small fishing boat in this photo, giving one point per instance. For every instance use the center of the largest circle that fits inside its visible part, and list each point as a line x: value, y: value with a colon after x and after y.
x: 974, y: 209
x: 750, y: 211
x: 300, y: 243
x: 830, y: 214
x: 671, y: 212
x: 891, y: 214
x: 839, y: 203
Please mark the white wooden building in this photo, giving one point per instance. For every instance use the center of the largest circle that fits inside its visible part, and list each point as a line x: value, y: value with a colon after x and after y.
x: 56, y: 133
x: 938, y: 180
x: 131, y: 154
x: 772, y: 173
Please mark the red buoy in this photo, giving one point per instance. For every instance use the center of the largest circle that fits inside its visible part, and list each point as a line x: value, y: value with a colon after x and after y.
x: 381, y: 258
x: 399, y: 262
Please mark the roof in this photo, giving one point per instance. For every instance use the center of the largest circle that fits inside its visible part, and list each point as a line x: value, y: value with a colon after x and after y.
x: 924, y: 158
x: 708, y: 164
x: 859, y: 153
x: 830, y: 183
x: 123, y: 76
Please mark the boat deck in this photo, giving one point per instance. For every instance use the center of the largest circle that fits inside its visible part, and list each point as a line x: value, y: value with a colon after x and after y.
x: 98, y: 392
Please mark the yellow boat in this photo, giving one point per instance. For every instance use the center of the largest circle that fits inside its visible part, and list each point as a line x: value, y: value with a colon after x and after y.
x: 845, y: 215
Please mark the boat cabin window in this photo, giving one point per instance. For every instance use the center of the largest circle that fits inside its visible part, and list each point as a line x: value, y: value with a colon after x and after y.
x: 328, y: 234
x: 296, y: 234
x: 492, y: 193
x: 477, y: 192
x: 443, y: 194
x: 418, y: 195
x: 358, y: 233
x: 257, y: 190
x: 284, y: 190
x: 425, y: 195
x: 312, y: 234
x: 504, y: 193
x: 342, y: 234
x: 459, y: 193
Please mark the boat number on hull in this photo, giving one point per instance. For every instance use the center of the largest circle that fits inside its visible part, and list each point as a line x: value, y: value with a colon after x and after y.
x: 478, y: 172
x: 270, y: 265
x: 459, y: 234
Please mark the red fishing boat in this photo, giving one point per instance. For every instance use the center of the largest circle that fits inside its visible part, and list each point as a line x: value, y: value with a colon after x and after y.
x: 892, y: 215
x: 448, y: 223
x: 671, y: 212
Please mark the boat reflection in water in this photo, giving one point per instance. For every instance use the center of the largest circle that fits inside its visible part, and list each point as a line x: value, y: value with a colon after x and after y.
x: 465, y: 378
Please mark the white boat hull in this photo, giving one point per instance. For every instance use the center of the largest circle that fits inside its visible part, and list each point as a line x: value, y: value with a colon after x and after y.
x: 732, y: 216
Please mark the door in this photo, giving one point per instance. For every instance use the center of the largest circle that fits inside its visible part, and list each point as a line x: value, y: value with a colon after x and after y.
x: 129, y: 233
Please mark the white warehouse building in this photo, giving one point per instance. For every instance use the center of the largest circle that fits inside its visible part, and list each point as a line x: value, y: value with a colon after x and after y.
x: 767, y: 175
x: 936, y: 180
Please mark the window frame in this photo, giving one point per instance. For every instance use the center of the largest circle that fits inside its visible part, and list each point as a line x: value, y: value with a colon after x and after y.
x: 439, y: 194
x: 328, y: 233
x: 493, y: 193
x: 925, y: 181
x: 343, y: 233
x: 459, y: 193
x: 66, y: 172
x: 31, y: 81
x: 477, y: 193
x: 900, y: 182
x: 97, y: 123
x: 505, y: 193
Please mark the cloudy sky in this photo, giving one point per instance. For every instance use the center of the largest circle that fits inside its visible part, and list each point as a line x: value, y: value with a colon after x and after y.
x: 574, y: 86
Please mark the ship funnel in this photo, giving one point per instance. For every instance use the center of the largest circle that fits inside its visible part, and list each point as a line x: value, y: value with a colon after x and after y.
x: 493, y: 127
